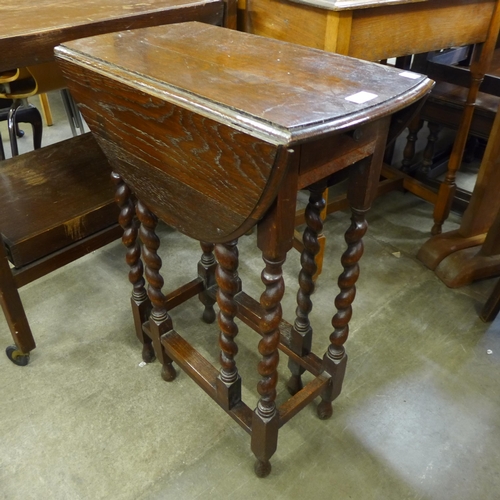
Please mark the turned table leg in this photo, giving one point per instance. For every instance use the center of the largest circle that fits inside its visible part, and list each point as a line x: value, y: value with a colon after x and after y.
x: 228, y: 381
x: 141, y: 305
x: 265, y: 422
x: 335, y: 359
x: 362, y: 181
x: 301, y: 335
x: 159, y: 321
x: 206, y: 270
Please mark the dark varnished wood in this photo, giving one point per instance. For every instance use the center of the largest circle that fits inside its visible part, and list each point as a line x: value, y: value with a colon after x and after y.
x: 30, y: 31
x: 267, y: 126
x: 214, y: 131
x: 57, y: 205
x: 28, y: 36
x: 141, y: 305
x: 33, y: 188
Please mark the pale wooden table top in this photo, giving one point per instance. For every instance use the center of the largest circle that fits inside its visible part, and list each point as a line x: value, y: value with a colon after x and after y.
x: 353, y: 4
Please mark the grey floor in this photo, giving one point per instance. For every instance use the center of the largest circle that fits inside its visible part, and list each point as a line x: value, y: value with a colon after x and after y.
x: 418, y: 418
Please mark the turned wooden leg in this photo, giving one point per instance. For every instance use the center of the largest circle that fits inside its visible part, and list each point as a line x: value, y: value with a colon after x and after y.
x: 141, y: 305
x: 448, y: 188
x: 409, y: 151
x: 301, y: 335
x: 229, y: 381
x: 363, y: 180
x: 265, y: 422
x: 159, y: 321
x: 335, y: 359
x: 428, y: 155
x: 206, y: 271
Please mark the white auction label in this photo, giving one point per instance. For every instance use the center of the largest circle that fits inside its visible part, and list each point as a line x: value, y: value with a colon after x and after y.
x: 361, y: 97
x: 410, y: 74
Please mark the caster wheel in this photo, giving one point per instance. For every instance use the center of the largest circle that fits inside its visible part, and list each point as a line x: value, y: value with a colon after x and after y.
x: 16, y: 356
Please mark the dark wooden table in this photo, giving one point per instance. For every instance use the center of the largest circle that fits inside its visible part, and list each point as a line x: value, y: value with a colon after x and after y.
x: 31, y: 30
x: 214, y: 131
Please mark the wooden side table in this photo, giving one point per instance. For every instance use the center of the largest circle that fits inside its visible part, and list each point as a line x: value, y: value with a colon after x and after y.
x: 214, y: 131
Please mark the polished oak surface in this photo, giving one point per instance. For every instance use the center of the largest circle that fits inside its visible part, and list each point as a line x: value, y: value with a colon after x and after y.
x: 31, y: 30
x: 237, y: 142
x: 339, y: 5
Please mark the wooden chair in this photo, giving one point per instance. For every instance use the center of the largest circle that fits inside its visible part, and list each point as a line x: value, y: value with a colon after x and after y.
x: 57, y: 205
x: 21, y: 83
x: 453, y: 102
x: 28, y: 114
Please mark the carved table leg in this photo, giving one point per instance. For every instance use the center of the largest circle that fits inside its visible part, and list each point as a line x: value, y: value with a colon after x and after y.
x: 265, y: 422
x: 428, y: 155
x: 301, y: 336
x: 409, y: 151
x: 228, y: 381
x: 206, y: 270
x: 159, y: 321
x: 141, y: 305
x: 362, y: 179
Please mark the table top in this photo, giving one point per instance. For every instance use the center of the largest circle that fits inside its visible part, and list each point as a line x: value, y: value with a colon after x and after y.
x: 30, y: 30
x: 291, y: 92
x: 204, y: 123
x: 339, y: 5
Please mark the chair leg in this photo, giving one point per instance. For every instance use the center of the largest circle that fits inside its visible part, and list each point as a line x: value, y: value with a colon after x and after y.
x: 428, y: 155
x: 47, y: 113
x: 2, y: 151
x: 73, y: 113
x: 30, y: 115
x: 409, y: 151
x: 11, y: 124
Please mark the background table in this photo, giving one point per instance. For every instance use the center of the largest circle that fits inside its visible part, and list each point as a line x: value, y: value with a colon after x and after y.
x: 30, y: 30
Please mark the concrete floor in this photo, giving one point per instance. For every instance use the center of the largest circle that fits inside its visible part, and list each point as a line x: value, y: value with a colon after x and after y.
x: 418, y: 418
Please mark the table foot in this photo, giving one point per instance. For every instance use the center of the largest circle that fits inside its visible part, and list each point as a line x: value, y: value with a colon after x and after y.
x: 437, y: 248
x: 294, y: 384
x: 468, y: 265
x: 209, y: 315
x: 324, y: 410
x: 168, y: 372
x: 148, y: 353
x: 262, y: 468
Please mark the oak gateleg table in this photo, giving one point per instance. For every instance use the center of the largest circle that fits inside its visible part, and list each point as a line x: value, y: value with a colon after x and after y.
x: 214, y: 131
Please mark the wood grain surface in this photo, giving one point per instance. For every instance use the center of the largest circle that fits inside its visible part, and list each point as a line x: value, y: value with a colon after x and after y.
x: 30, y: 31
x: 203, y: 122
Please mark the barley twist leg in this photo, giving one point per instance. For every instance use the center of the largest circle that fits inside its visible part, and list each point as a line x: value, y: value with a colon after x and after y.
x: 160, y: 321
